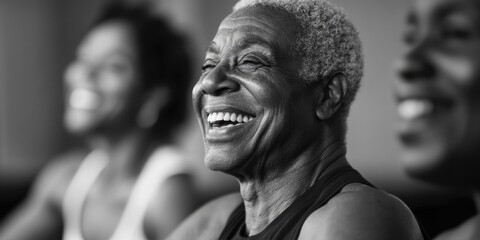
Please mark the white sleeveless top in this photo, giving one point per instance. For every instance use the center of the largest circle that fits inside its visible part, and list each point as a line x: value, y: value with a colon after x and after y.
x: 162, y: 164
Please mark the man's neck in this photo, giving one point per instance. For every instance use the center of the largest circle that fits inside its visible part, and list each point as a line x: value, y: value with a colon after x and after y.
x: 267, y: 197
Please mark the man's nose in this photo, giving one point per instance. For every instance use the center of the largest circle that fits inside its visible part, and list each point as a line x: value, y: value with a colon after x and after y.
x: 219, y: 81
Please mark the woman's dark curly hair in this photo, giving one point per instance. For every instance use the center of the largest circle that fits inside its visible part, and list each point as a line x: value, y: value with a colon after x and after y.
x: 163, y: 58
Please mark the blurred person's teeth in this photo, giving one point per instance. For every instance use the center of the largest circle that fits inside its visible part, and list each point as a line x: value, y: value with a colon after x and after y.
x: 84, y: 99
x: 414, y: 108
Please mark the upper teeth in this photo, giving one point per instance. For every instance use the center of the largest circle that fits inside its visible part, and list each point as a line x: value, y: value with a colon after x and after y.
x: 84, y: 99
x: 414, y: 108
x: 226, y: 116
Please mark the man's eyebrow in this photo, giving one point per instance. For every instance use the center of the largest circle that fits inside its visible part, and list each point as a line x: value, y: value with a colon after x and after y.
x: 212, y: 48
x: 254, y: 41
x: 246, y: 42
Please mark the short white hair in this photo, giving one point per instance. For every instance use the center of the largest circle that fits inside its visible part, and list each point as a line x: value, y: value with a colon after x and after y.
x: 328, y: 42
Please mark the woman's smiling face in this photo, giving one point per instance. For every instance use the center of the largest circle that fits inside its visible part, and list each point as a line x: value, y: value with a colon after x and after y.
x: 102, y: 84
x: 438, y: 91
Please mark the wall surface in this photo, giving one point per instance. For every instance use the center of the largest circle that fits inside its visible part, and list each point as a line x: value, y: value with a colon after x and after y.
x: 31, y: 72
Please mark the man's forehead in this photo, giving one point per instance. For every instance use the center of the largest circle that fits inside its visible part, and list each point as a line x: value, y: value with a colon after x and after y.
x: 256, y: 24
x: 242, y: 39
x: 265, y: 17
x: 231, y: 23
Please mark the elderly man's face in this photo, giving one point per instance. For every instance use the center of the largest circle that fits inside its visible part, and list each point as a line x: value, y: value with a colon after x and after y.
x: 250, y: 101
x: 439, y: 91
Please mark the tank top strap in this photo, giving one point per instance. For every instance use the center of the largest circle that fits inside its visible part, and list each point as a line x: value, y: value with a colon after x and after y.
x: 333, y: 183
x: 319, y: 194
x: 351, y: 175
x: 235, y: 225
x: 164, y: 163
x: 77, y: 192
x: 289, y: 223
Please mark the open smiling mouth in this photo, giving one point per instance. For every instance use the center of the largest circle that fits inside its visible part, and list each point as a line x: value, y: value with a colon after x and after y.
x: 227, y: 119
x: 84, y: 99
x: 416, y: 108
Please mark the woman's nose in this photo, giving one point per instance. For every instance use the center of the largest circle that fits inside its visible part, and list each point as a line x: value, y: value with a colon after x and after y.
x: 218, y: 81
x: 415, y: 65
x: 80, y: 73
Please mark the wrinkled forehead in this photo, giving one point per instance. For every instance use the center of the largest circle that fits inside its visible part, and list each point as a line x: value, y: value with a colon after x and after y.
x: 258, y: 24
x: 261, y: 16
x: 268, y: 20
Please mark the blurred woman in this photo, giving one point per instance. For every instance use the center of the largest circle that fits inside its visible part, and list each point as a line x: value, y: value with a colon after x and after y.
x: 439, y: 100
x: 125, y: 95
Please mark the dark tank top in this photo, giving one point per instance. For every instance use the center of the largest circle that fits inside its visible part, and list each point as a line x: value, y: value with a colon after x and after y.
x: 288, y: 224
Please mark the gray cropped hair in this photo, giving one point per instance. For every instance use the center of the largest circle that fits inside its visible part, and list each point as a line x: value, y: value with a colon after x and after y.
x: 327, y: 44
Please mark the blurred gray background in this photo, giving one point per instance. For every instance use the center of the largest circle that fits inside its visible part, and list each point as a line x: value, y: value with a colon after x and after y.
x: 38, y: 38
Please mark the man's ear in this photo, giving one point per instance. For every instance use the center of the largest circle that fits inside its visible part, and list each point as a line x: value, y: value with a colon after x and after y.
x: 332, y: 94
x: 153, y: 103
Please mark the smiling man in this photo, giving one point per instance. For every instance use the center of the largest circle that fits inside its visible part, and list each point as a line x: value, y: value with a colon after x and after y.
x: 272, y: 102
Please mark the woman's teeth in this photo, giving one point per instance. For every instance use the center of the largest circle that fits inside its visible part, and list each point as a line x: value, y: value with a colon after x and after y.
x: 414, y: 108
x: 84, y: 99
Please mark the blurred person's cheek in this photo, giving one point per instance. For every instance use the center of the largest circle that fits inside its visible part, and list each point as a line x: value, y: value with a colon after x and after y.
x: 459, y: 68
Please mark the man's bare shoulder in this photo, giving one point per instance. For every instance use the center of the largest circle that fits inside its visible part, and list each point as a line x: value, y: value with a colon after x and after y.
x: 209, y: 220
x: 362, y: 212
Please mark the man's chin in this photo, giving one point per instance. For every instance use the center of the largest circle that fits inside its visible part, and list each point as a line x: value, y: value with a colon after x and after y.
x: 217, y: 162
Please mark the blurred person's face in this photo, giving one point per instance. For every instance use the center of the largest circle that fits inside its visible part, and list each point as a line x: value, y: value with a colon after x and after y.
x: 102, y: 84
x: 249, y: 100
x: 439, y: 91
